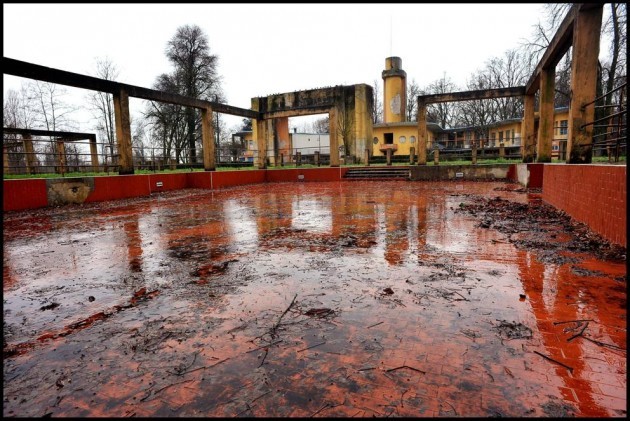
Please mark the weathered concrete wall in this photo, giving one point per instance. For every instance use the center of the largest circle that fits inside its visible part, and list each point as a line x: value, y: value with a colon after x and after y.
x: 459, y: 172
x: 349, y: 106
x: 592, y: 194
x: 68, y: 190
x: 529, y: 175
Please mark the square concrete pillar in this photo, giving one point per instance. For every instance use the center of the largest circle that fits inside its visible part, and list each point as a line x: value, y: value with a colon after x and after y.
x: 422, y: 133
x: 545, y: 126
x: 586, y: 34
x: 123, y: 132
x: 207, y: 140
x: 334, y: 137
x: 528, y: 148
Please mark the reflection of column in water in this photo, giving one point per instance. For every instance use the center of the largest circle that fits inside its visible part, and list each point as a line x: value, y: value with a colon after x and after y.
x: 396, y: 240
x: 548, y: 312
x: 134, y: 243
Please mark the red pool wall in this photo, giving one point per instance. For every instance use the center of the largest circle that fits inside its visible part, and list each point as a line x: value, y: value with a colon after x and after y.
x: 592, y: 194
x: 24, y: 194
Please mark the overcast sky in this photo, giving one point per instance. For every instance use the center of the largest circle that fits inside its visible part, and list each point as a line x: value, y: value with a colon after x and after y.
x: 268, y: 48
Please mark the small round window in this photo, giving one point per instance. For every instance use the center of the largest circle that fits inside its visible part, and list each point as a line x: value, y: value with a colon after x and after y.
x: 402, y: 139
x: 412, y: 139
x: 375, y: 141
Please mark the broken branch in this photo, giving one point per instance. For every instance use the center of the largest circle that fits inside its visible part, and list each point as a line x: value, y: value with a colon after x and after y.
x: 273, y: 329
x: 312, y: 346
x: 552, y: 360
x: 405, y: 366
x: 579, y: 333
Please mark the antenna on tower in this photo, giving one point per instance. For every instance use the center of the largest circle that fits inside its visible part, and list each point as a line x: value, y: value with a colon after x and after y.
x: 391, y: 37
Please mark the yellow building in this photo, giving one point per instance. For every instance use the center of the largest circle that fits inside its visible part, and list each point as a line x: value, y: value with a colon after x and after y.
x: 400, y: 136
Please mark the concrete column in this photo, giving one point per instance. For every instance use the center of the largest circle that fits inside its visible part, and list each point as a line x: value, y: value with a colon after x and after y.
x: 501, y: 150
x: 367, y: 157
x: 412, y: 155
x: 5, y: 160
x: 545, y: 125
x: 94, y: 154
x: 528, y: 148
x: 422, y: 133
x: 586, y: 34
x: 207, y: 139
x: 261, y: 140
x: 388, y: 153
x: 30, y: 153
x: 436, y: 156
x: 123, y: 132
x: 334, y: 140
x: 61, y: 156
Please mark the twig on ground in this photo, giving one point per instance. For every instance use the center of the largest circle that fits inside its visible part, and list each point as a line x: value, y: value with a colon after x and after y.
x: 263, y: 346
x: 405, y: 366
x: 275, y: 327
x: 573, y: 321
x: 552, y: 360
x: 376, y: 324
x: 312, y: 346
x: 579, y: 333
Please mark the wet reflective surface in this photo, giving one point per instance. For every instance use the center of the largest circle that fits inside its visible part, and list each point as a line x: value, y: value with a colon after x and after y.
x: 316, y: 299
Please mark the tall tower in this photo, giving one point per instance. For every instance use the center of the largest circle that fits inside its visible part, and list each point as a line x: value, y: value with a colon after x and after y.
x: 394, y: 91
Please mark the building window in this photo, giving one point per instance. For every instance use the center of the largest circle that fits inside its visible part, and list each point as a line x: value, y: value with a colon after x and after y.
x: 402, y: 139
x: 250, y: 144
x: 564, y: 126
x: 375, y: 141
x: 468, y: 136
x: 412, y: 139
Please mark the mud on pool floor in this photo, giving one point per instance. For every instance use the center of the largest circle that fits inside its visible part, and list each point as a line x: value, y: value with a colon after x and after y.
x: 313, y: 299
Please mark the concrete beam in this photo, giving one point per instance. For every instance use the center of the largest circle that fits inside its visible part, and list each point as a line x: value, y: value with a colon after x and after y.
x: 48, y: 74
x: 472, y: 95
x: 559, y: 44
x: 68, y: 136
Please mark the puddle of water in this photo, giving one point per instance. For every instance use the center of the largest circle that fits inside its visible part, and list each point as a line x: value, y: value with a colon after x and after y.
x: 306, y: 299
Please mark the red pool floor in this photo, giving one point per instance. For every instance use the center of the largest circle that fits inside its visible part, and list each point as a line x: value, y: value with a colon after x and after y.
x: 304, y: 299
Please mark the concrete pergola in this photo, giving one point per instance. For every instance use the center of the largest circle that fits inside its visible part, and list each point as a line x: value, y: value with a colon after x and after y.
x: 580, y: 29
x: 121, y: 93
x: 62, y: 137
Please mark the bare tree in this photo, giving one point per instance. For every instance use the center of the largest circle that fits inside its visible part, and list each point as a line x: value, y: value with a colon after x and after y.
x: 377, y: 111
x: 195, y: 74
x: 345, y: 129
x: 321, y: 125
x: 413, y: 90
x: 101, y: 105
x: 504, y: 72
x: 18, y: 111
x: 53, y: 114
x: 477, y: 113
x: 442, y: 113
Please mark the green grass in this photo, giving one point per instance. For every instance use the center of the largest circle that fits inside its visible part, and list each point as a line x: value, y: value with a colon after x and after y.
x: 596, y: 160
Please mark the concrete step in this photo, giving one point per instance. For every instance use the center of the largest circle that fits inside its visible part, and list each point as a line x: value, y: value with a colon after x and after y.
x: 377, y: 173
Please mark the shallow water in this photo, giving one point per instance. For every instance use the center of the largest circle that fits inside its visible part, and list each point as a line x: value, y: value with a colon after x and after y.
x: 299, y: 299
